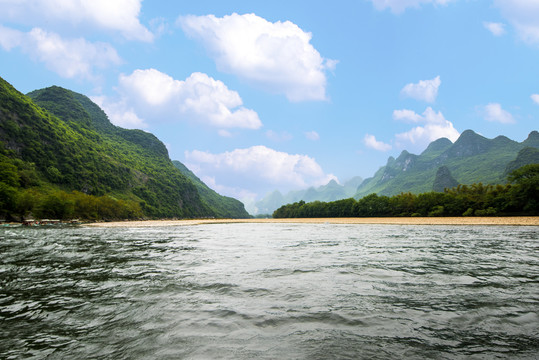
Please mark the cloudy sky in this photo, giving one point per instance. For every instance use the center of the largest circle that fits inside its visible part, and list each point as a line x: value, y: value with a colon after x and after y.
x: 255, y: 96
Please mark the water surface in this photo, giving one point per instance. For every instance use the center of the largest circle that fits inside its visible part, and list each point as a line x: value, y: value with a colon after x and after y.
x: 270, y: 291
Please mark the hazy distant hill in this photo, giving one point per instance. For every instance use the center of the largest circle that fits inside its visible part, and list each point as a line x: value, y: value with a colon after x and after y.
x: 471, y: 159
x: 57, y: 139
x: 330, y: 192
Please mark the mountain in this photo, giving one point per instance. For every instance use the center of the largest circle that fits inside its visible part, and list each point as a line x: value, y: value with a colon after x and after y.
x: 54, y: 139
x: 444, y: 180
x: 223, y: 206
x: 471, y: 159
x: 528, y: 155
x: 332, y: 191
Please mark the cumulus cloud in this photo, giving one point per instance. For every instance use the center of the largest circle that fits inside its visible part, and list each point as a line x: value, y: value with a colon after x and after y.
x: 535, y: 98
x: 155, y: 95
x: 493, y: 112
x: 435, y: 127
x: 248, y: 198
x: 407, y: 116
x: 371, y: 142
x: 257, y: 170
x: 497, y: 29
x: 118, y: 15
x: 278, y: 136
x: 119, y: 113
x: 425, y: 90
x: 398, y: 6
x: 276, y: 56
x: 524, y: 16
x: 312, y: 135
x: 69, y: 58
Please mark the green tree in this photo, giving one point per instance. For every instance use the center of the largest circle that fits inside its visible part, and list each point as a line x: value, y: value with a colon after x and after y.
x: 56, y: 205
x: 525, y: 195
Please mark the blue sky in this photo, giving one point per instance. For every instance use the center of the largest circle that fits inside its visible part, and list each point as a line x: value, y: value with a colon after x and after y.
x: 255, y: 96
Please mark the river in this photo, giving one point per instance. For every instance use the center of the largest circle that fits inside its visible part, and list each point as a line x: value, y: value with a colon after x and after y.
x: 270, y: 291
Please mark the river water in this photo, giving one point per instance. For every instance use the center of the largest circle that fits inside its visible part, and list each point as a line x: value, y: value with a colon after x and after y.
x: 270, y: 291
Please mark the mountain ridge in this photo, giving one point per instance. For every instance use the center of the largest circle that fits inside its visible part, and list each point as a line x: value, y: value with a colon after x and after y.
x: 65, y: 142
x: 330, y: 192
x: 472, y: 158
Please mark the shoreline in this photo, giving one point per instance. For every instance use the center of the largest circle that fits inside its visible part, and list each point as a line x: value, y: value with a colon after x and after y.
x: 487, y: 221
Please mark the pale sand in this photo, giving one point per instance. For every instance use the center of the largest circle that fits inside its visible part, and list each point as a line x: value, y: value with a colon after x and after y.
x: 513, y: 220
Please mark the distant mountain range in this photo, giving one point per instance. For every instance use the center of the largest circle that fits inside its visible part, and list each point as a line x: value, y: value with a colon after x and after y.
x: 54, y: 139
x: 330, y: 192
x: 471, y: 159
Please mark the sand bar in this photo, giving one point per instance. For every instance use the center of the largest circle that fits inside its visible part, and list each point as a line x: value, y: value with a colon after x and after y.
x: 511, y: 220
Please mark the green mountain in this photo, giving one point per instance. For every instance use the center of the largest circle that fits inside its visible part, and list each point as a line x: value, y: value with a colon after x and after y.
x: 224, y: 207
x: 528, y: 155
x: 332, y: 191
x: 55, y: 141
x: 444, y: 180
x: 471, y: 159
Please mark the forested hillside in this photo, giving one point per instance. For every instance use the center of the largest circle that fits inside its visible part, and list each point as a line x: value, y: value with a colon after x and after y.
x: 471, y: 159
x: 519, y: 197
x: 60, y: 156
x: 223, y: 206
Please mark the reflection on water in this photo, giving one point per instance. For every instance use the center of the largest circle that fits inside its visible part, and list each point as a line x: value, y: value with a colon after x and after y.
x: 267, y: 291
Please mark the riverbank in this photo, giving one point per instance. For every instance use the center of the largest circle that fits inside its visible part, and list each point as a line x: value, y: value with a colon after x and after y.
x: 511, y: 221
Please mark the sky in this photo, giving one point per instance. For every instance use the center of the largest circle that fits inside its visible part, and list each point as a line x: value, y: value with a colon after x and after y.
x: 256, y: 96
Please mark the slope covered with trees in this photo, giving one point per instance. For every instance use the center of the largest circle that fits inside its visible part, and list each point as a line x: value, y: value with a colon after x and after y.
x: 223, y: 206
x: 520, y: 197
x: 58, y: 150
x: 471, y: 159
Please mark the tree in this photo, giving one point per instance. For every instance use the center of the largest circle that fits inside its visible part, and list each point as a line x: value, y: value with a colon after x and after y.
x: 525, y: 195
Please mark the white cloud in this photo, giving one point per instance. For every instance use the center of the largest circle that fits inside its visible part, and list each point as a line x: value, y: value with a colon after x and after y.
x: 425, y: 90
x: 493, y: 112
x: 69, y: 58
x: 407, y: 115
x: 276, y: 56
x: 119, y: 113
x: 155, y: 96
x: 398, y: 6
x: 257, y: 169
x: 224, y: 133
x: 118, y: 15
x: 371, y: 142
x: 248, y: 198
x: 312, y: 135
x: 497, y: 29
x: 11, y: 38
x: 278, y: 136
x: 524, y: 16
x: 535, y: 98
x: 435, y: 127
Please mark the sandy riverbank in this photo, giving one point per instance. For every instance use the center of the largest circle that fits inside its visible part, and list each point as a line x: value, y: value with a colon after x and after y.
x: 513, y: 220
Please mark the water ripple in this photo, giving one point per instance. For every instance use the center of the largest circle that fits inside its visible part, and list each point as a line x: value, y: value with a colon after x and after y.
x: 266, y: 291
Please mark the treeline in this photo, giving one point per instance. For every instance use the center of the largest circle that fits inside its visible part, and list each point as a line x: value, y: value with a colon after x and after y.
x: 519, y: 197
x: 19, y: 204
x: 24, y: 194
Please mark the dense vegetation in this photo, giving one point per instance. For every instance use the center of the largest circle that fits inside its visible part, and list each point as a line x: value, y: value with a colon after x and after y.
x: 225, y: 207
x: 60, y: 157
x: 520, y: 197
x: 471, y: 159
